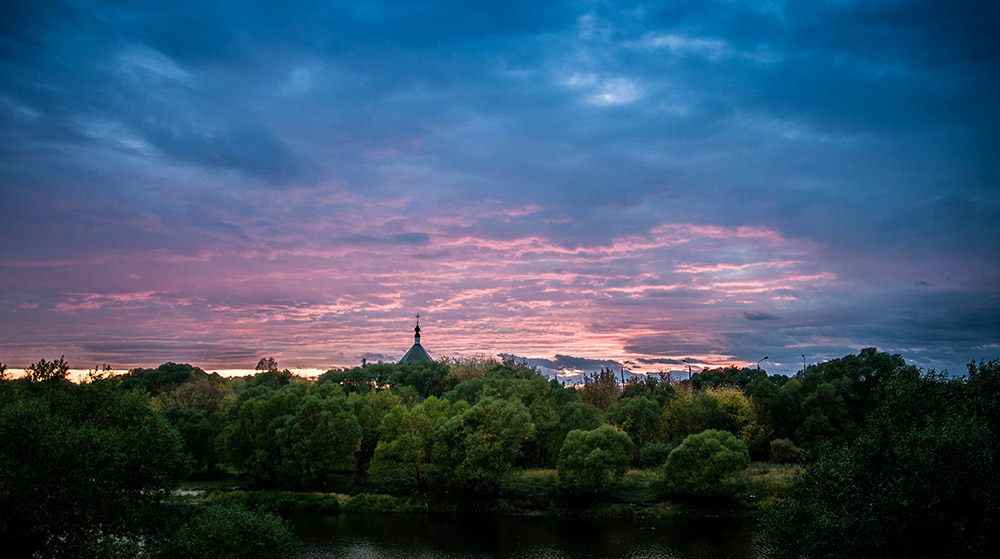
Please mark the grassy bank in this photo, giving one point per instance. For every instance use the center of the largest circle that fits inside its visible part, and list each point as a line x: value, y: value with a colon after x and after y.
x: 637, y: 494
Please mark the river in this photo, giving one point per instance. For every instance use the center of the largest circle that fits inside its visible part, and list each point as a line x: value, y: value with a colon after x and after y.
x: 392, y: 536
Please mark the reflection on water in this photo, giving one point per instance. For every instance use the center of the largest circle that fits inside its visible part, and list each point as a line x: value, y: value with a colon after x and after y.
x: 492, y: 537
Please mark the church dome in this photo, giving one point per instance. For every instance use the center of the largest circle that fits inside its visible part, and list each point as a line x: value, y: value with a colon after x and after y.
x: 417, y: 351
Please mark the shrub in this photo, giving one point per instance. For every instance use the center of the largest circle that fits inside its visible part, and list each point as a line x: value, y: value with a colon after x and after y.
x: 370, y: 502
x: 232, y: 532
x: 698, y: 466
x: 783, y: 450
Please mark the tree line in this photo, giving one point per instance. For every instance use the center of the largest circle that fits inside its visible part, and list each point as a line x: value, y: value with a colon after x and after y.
x: 451, y: 430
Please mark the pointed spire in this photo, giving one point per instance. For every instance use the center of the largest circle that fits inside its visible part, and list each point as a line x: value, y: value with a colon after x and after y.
x: 417, y: 352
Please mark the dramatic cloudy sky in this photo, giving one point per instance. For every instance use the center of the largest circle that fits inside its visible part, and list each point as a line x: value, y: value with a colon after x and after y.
x: 578, y: 182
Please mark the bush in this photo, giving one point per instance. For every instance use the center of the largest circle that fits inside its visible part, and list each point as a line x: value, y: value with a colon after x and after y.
x: 698, y: 466
x: 370, y: 502
x: 232, y: 532
x: 535, y: 485
x: 589, y: 459
x: 783, y: 450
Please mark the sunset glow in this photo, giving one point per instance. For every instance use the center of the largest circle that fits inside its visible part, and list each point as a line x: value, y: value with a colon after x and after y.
x: 578, y: 185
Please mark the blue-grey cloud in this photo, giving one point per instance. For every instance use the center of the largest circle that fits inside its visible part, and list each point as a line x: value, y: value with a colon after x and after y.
x: 261, y: 144
x: 758, y: 316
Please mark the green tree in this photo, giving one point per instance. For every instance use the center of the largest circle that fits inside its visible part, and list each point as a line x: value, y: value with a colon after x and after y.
x: 162, y: 377
x: 600, y: 389
x: 404, y: 451
x: 267, y: 364
x: 466, y: 368
x: 81, y: 464
x: 428, y: 377
x: 538, y: 395
x: 474, y: 449
x: 370, y: 409
x: 698, y: 466
x: 293, y: 437
x: 42, y: 370
x: 198, y: 435
x: 639, y: 417
x: 575, y: 415
x: 207, y: 394
x: 724, y: 408
x: 589, y: 460
x: 830, y: 400
x: 919, y: 480
x: 659, y: 389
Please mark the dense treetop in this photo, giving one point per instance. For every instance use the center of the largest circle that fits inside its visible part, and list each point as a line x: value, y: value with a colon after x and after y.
x: 454, y: 429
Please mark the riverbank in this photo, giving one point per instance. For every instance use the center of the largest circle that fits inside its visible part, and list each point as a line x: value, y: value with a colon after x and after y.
x: 534, y: 492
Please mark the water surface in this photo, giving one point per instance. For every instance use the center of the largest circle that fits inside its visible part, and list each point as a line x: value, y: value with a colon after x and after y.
x: 391, y: 536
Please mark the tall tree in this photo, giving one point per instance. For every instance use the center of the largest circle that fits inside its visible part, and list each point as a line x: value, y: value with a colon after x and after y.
x: 474, y: 449
x: 919, y: 481
x: 80, y: 464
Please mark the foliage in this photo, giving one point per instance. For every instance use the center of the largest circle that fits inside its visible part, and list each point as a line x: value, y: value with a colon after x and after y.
x: 403, y: 452
x: 732, y: 377
x: 428, y: 378
x: 475, y: 448
x: 574, y: 415
x: 477, y: 366
x: 783, y: 450
x: 588, y: 460
x: 231, y: 532
x: 639, y: 417
x: 198, y: 434
x: 537, y: 486
x: 600, y: 389
x: 578, y: 415
x: 658, y: 388
x: 726, y: 409
x: 919, y: 480
x: 162, y: 377
x: 266, y: 364
x: 272, y: 379
x: 654, y: 455
x: 207, y: 394
x: 81, y: 463
x: 283, y: 503
x: 541, y: 398
x: 370, y: 409
x: 42, y: 370
x: 293, y: 437
x: 367, y: 502
x: 826, y: 401
x: 698, y: 466
x: 467, y: 368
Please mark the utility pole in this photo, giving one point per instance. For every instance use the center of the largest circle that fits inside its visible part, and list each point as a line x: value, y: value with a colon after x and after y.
x: 623, y: 363
x: 690, y: 386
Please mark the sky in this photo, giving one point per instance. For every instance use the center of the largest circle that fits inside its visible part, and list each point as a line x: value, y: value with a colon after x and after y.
x: 578, y: 183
